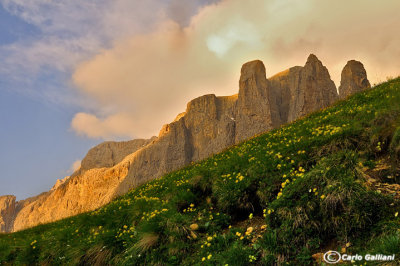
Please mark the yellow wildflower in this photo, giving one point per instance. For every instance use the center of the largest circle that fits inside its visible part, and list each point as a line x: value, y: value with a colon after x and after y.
x: 249, y: 230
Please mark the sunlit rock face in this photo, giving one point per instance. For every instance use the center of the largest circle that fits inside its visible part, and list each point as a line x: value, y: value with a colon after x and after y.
x: 110, y: 153
x: 209, y: 125
x: 354, y: 79
x: 7, y: 213
x: 84, y: 191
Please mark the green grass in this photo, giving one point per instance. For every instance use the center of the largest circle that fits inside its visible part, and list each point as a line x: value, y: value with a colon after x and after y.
x: 301, y: 188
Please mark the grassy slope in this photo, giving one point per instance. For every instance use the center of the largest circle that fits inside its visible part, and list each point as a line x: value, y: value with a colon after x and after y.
x: 301, y: 188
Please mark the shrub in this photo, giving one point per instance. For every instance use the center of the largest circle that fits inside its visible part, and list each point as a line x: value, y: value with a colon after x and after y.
x: 328, y: 202
x: 395, y: 145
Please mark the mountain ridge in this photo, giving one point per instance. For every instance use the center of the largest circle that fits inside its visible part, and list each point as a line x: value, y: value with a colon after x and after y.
x: 209, y: 125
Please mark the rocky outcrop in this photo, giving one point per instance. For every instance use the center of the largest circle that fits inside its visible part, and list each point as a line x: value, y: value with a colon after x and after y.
x: 59, y: 182
x: 209, y: 125
x: 210, y: 122
x: 299, y: 91
x: 353, y: 80
x: 80, y: 193
x: 316, y: 90
x: 7, y: 213
x: 110, y: 153
x: 253, y: 112
x: 170, y: 150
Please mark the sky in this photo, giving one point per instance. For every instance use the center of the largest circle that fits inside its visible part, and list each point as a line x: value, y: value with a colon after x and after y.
x: 76, y: 73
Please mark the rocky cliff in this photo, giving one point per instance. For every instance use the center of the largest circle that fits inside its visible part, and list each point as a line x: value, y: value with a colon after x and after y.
x: 299, y: 91
x: 353, y: 79
x: 209, y: 125
x: 110, y: 153
x: 7, y: 213
x: 253, y: 109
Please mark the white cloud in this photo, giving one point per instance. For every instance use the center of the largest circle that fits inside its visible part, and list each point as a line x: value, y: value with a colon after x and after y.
x: 93, y: 127
x: 236, y: 31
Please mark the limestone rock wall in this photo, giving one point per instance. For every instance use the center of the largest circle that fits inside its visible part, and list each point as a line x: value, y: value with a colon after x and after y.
x: 353, y: 79
x: 253, y: 112
x: 7, y: 213
x: 283, y: 88
x: 209, y: 125
x: 210, y: 122
x: 83, y: 192
x: 299, y: 91
x: 110, y: 153
x: 315, y: 91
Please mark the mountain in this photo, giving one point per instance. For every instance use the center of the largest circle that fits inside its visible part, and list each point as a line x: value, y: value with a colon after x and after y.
x: 209, y: 125
x: 328, y: 181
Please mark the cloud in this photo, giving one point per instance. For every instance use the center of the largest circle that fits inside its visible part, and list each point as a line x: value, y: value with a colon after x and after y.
x: 149, y: 78
x: 182, y: 11
x: 68, y: 32
x: 139, y: 62
x: 114, y: 125
x: 75, y: 166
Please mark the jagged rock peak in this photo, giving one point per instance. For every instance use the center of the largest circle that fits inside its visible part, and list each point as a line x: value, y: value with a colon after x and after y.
x: 315, y: 90
x: 312, y: 58
x: 315, y: 65
x: 354, y: 79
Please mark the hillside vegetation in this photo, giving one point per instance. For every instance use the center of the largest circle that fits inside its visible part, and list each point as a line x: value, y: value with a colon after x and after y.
x: 326, y: 182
